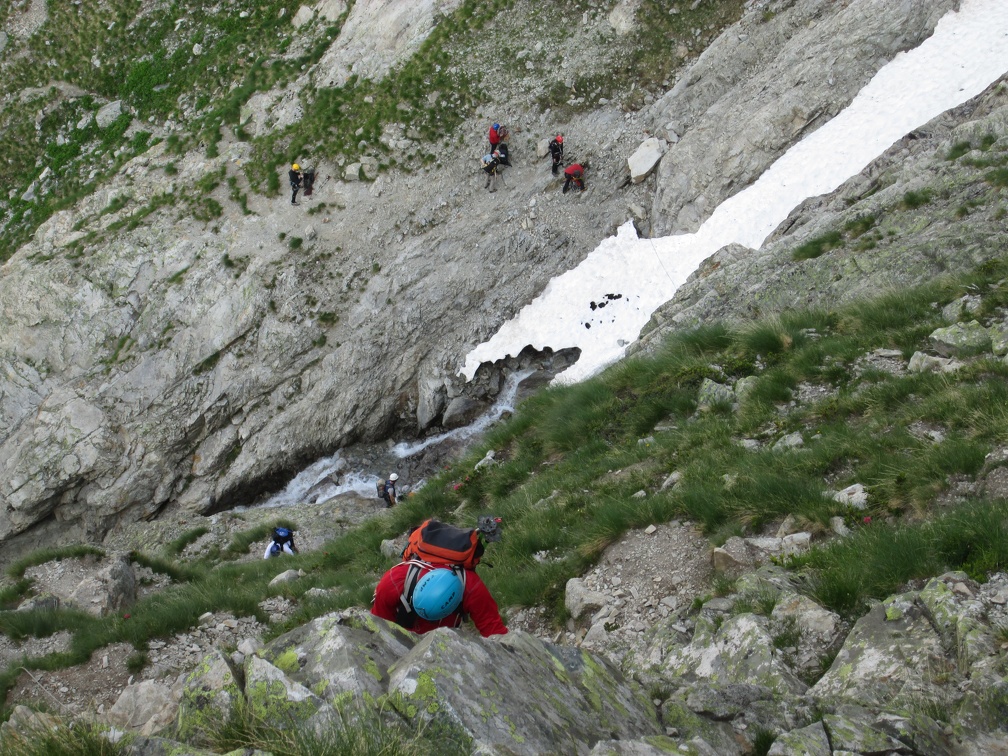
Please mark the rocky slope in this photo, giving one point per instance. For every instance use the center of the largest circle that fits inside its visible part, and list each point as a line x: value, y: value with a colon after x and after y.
x: 155, y: 360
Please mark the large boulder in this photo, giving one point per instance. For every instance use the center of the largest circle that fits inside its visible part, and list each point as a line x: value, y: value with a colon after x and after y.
x: 145, y: 708
x: 961, y: 340
x: 517, y: 694
x: 645, y: 159
x: 341, y: 655
x: 209, y: 695
x: 887, y: 658
x: 110, y: 589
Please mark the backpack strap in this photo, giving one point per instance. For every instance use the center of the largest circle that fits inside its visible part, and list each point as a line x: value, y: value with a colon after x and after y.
x: 405, y: 615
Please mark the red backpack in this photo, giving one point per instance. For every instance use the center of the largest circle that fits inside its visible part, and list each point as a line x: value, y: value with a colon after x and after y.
x: 435, y: 542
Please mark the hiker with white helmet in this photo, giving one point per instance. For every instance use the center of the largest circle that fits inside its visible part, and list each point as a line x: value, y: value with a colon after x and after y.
x: 491, y: 166
x: 389, y: 491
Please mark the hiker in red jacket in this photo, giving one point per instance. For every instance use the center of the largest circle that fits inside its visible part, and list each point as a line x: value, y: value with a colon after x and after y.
x: 476, y: 603
x: 574, y: 175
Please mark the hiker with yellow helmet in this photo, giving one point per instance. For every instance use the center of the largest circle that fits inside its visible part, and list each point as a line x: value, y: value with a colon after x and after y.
x: 295, y: 181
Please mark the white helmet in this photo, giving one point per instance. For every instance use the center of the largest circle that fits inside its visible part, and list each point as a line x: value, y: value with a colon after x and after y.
x: 393, y: 477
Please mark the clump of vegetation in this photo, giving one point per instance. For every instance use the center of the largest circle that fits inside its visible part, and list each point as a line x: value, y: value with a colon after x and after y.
x: 818, y: 246
x: 914, y: 199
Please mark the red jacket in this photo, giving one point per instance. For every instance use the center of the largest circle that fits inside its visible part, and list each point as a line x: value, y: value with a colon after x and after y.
x: 574, y: 171
x: 477, y: 603
x: 494, y: 137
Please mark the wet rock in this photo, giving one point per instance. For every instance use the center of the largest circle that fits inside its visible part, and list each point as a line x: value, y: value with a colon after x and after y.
x: 461, y: 411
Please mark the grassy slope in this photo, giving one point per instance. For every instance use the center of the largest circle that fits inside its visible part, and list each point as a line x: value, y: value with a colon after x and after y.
x: 571, y: 440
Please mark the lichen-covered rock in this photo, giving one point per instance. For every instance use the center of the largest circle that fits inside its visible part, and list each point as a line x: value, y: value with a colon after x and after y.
x: 209, y: 695
x: 725, y: 702
x: 517, y: 694
x: 271, y: 696
x: 893, y: 656
x: 954, y: 610
x: 712, y: 392
x: 704, y: 735
x: 341, y: 656
x: 852, y: 730
x: 807, y: 741
x: 740, y: 651
x: 961, y: 340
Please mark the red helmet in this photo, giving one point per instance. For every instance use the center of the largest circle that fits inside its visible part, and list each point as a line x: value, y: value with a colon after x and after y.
x: 559, y: 138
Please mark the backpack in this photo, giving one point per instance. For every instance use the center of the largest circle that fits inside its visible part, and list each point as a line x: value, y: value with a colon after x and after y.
x: 380, y: 485
x: 440, y: 544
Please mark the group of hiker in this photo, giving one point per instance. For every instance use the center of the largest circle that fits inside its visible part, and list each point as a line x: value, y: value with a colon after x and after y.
x: 499, y: 156
x: 435, y: 582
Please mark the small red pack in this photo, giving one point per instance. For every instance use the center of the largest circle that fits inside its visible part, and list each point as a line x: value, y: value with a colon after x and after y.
x: 435, y: 542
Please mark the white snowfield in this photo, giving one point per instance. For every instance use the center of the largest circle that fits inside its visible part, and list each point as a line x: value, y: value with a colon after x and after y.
x: 966, y: 53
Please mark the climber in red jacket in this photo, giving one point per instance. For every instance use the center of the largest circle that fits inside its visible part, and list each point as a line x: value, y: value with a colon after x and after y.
x: 458, y: 589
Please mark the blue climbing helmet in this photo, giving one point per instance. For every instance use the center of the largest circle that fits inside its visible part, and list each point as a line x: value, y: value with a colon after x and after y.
x: 281, y: 534
x: 437, y: 594
x: 496, y: 127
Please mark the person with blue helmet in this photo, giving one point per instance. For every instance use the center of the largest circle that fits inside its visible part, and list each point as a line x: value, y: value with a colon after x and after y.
x: 436, y: 584
x: 281, y: 543
x: 442, y: 597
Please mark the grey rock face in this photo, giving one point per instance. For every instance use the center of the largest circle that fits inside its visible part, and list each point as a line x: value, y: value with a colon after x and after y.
x: 520, y: 694
x: 774, y: 81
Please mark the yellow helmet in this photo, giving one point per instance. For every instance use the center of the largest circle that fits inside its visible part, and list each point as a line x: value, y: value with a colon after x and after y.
x: 296, y: 167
